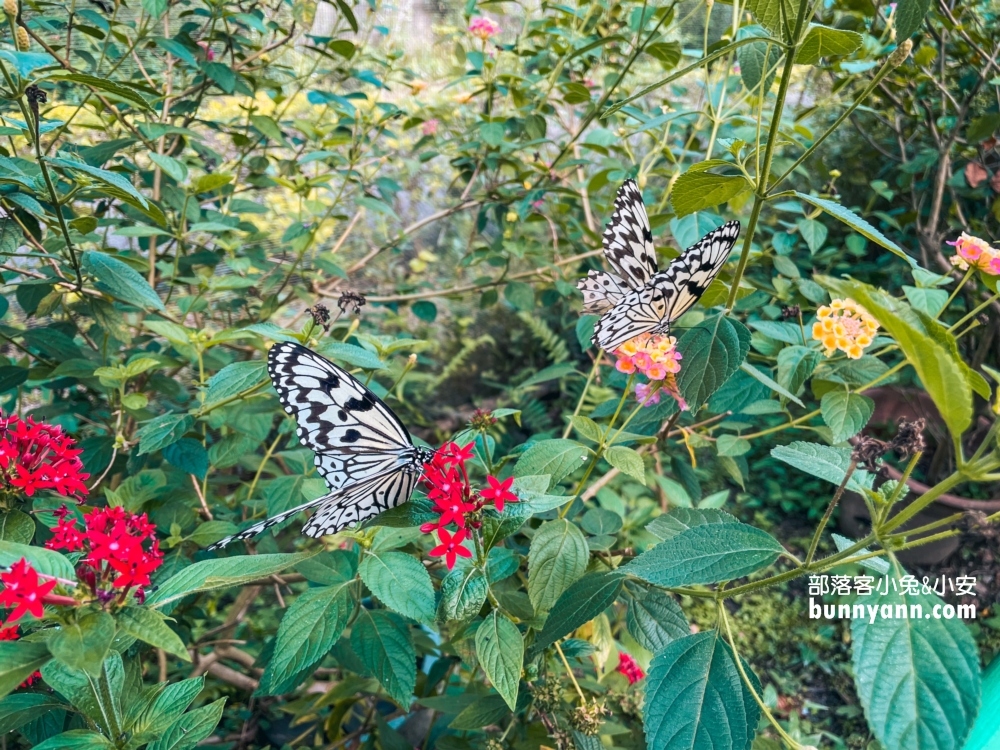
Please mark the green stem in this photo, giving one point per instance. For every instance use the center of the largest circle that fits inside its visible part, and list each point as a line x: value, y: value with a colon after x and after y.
x: 829, y: 511
x: 958, y: 287
x: 975, y: 311
x: 761, y: 189
x: 583, y: 395
x: 920, y: 503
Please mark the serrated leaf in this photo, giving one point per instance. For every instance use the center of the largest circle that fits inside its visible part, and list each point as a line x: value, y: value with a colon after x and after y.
x: 758, y: 61
x: 677, y: 520
x: 825, y: 462
x: 909, y: 16
x: 578, y: 605
x: 558, y: 557
x: 858, y: 224
x: 382, y: 641
x: 463, y: 593
x: 76, y: 739
x: 699, y: 190
x: 500, y: 650
x: 713, y: 350
x: 558, y: 458
x: 795, y: 366
x: 845, y: 413
x: 120, y: 280
x: 654, y: 619
x: 823, y: 41
x: 162, y: 431
x: 401, y: 582
x: 234, y: 378
x: 707, y: 553
x: 627, y: 461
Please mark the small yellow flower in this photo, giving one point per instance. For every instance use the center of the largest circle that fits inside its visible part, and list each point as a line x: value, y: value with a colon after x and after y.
x: 23, y: 40
x: 844, y: 325
x: 10, y: 8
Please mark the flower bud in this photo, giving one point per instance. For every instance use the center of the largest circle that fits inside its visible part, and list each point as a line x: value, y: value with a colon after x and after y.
x: 899, y: 55
x: 23, y: 41
x: 10, y: 8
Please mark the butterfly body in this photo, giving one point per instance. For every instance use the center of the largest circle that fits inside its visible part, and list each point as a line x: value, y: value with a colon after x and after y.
x: 640, y: 298
x: 362, y: 449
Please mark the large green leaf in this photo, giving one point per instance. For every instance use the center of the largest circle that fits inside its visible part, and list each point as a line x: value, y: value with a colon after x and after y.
x: 463, y: 593
x: 308, y: 630
x: 382, y: 641
x: 162, y: 431
x: 697, y: 189
x: 695, y: 698
x: 150, y: 626
x: 46, y: 561
x: 578, y: 605
x: 846, y: 413
x: 708, y: 553
x: 234, y: 378
x: 909, y: 17
x: 401, y: 582
x: 823, y: 41
x: 825, y: 462
x: 713, y: 350
x: 209, y: 575
x: 76, y: 739
x: 18, y: 660
x: 18, y: 709
x: 84, y: 643
x: 558, y: 556
x: 758, y: 61
x: 191, y: 728
x: 795, y: 366
x: 500, y: 650
x: 654, y: 618
x: 677, y: 520
x: 156, y: 708
x: 558, y: 458
x: 917, y: 673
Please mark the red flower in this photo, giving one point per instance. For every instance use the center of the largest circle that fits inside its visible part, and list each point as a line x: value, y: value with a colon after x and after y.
x: 23, y: 591
x: 451, y: 546
x: 453, y: 510
x: 628, y: 667
x: 35, y: 457
x: 457, y: 454
x: 499, y: 492
x: 66, y: 535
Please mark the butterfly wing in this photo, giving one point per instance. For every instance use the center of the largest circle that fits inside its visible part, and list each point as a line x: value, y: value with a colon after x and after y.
x: 628, y: 240
x: 640, y: 311
x: 601, y: 291
x: 354, y: 435
x: 687, y: 278
x: 343, y: 507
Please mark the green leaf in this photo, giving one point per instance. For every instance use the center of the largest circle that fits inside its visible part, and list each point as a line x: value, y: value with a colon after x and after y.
x: 929, y: 301
x: 308, y: 630
x: 156, y: 709
x: 758, y: 61
x: 113, y: 180
x: 17, y: 526
x: 382, y: 641
x: 845, y: 413
x: 696, y: 190
x: 401, y: 582
x: 985, y: 734
x: 489, y: 709
x: 188, y: 455
x: 162, y: 431
x: 825, y: 462
x: 463, y: 593
x: 707, y: 553
x: 858, y: 224
x: 823, y: 41
x: 627, y: 461
x: 813, y: 232
x: 578, y: 605
x: 11, y: 377
x: 76, y: 739
x: 677, y: 520
x: 558, y: 557
x: 45, y: 561
x: 909, y: 16
x: 795, y: 366
x: 115, y: 88
x: 695, y: 698
x: 713, y: 350
x: 209, y: 575
x: 774, y: 386
x: 500, y: 650
x: 732, y: 445
x: 208, y: 183
x: 191, y: 728
x: 18, y: 660
x: 19, y: 709
x: 150, y: 627
x: 234, y: 378
x: 654, y: 619
x: 354, y: 356
x: 777, y: 16
x: 120, y: 280
x: 917, y: 676
x: 84, y: 644
x: 558, y: 458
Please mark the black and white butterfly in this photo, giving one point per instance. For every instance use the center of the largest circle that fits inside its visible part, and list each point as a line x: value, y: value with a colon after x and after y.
x: 362, y: 449
x: 638, y: 298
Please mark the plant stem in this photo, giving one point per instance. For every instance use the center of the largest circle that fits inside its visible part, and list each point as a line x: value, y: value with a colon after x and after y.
x: 583, y: 395
x: 761, y: 189
x: 583, y: 698
x: 829, y: 511
x: 954, y: 292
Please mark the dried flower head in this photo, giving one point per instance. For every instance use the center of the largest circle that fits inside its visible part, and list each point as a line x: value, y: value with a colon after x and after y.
x: 973, y: 252
x: 482, y: 420
x: 909, y: 438
x: 791, y: 312
x: 351, y: 299
x: 321, y: 315
x: 844, y: 325
x: 868, y: 451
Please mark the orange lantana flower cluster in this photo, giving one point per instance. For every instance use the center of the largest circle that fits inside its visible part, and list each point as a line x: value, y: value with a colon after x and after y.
x: 653, y: 356
x: 975, y: 253
x: 844, y: 325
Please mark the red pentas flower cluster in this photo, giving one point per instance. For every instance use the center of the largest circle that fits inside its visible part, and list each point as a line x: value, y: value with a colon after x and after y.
x: 36, y: 456
x: 114, y: 553
x: 628, y: 667
x: 457, y: 503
